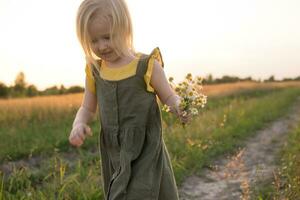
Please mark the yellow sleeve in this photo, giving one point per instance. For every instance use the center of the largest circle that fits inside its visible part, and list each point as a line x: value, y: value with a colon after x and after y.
x: 90, y: 80
x: 155, y: 55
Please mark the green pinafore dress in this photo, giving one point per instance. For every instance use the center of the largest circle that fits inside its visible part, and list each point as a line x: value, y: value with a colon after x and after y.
x: 135, y: 163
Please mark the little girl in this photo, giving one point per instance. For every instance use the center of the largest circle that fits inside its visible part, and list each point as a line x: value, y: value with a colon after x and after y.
x: 124, y: 84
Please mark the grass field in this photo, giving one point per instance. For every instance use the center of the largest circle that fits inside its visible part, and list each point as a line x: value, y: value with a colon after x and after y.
x: 40, y: 126
x: 286, y: 181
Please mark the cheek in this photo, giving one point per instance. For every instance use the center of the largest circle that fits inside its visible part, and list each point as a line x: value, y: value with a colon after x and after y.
x: 94, y: 48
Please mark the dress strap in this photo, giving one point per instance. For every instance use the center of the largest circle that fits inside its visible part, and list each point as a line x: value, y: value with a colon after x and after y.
x: 147, y: 60
x: 142, y: 65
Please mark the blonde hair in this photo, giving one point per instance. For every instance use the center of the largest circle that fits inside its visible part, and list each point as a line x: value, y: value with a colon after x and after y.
x: 121, y: 26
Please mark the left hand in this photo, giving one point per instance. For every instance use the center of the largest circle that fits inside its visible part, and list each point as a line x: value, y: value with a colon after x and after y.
x: 184, y: 116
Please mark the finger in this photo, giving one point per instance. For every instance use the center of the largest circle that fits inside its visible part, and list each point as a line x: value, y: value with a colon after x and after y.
x: 78, y: 141
x: 75, y: 141
x: 72, y: 138
x: 182, y: 120
x: 185, y: 119
x: 88, y: 131
x: 81, y: 135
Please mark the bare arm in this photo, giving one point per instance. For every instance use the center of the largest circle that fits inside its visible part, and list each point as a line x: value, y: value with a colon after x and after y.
x: 84, y: 115
x: 162, y: 88
x: 87, y: 109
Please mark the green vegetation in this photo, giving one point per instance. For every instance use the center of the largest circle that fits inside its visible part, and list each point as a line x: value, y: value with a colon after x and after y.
x: 216, y: 131
x: 44, y: 132
x: 22, y: 89
x: 286, y: 180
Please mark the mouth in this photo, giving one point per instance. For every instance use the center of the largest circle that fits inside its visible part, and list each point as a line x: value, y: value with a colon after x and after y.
x: 106, y: 53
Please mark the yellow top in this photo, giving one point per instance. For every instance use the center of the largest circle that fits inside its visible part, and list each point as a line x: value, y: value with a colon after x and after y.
x: 125, y: 71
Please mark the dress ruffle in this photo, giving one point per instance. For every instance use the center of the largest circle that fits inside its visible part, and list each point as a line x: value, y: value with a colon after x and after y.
x: 90, y: 80
x: 155, y: 55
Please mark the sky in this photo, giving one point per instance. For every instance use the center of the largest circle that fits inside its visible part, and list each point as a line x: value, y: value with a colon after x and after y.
x: 256, y: 38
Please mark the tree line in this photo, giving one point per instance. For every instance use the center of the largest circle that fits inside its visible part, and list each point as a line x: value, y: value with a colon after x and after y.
x: 232, y: 79
x: 22, y: 89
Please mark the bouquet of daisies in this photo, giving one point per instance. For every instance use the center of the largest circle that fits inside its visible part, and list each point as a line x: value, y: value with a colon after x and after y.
x: 192, y: 100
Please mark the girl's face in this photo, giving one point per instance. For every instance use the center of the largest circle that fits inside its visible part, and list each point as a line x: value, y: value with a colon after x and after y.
x: 99, y: 31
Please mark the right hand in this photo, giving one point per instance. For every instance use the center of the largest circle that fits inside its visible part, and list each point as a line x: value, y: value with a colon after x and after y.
x: 79, y: 133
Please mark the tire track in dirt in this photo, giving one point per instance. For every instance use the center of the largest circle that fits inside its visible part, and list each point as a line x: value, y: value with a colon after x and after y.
x: 231, y: 178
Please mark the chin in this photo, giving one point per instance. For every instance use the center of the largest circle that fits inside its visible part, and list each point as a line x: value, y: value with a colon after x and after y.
x: 110, y: 58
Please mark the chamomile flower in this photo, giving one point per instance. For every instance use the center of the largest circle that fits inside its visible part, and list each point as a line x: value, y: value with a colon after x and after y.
x: 194, y: 111
x: 188, y: 90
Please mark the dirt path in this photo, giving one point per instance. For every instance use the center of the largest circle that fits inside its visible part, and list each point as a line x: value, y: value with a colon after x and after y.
x: 230, y: 178
x: 34, y: 163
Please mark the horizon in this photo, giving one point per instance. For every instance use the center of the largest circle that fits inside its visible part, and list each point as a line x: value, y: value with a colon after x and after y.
x: 175, y: 81
x: 258, y: 38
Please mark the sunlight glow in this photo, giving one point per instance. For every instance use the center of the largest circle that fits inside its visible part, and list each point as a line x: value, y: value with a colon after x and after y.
x: 255, y: 38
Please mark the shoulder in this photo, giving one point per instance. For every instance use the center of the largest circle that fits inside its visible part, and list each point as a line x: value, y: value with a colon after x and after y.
x: 156, y: 62
x: 157, y: 68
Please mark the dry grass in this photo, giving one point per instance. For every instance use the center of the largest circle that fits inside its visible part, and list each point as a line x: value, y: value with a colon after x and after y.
x: 13, y: 110
x: 74, y: 100
x: 27, y: 104
x: 62, y: 101
x: 24, y: 106
x: 229, y: 88
x: 234, y: 171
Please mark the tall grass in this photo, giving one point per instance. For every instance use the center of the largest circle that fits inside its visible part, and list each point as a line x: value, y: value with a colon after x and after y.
x: 34, y: 125
x: 290, y: 168
x: 55, y: 180
x: 42, y: 124
x: 221, y: 128
x: 286, y: 178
